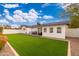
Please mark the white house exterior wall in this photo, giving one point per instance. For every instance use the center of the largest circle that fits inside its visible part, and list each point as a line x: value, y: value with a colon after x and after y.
x: 28, y: 30
x: 34, y: 29
x: 54, y: 34
x: 74, y: 32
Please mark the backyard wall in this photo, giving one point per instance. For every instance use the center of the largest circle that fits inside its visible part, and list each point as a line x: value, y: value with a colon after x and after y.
x: 10, y: 31
x: 72, y: 32
x: 54, y: 34
x: 14, y: 31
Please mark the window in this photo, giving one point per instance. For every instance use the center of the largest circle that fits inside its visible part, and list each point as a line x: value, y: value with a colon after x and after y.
x: 51, y: 30
x: 45, y: 29
x: 58, y: 29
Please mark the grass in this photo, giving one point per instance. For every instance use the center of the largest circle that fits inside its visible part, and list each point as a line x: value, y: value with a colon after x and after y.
x: 27, y: 45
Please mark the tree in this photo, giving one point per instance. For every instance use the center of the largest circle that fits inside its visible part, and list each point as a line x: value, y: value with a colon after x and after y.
x: 1, y: 30
x: 72, y: 11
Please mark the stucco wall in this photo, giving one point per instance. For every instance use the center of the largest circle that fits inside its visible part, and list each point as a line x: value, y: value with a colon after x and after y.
x: 54, y: 34
x: 34, y: 29
x: 10, y: 31
x: 14, y: 31
x: 72, y: 32
x: 28, y: 30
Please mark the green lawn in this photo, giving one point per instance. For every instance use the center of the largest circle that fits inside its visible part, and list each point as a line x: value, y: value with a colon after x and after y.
x: 27, y: 45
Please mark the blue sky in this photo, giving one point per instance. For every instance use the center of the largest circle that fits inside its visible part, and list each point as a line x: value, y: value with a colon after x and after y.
x: 30, y: 13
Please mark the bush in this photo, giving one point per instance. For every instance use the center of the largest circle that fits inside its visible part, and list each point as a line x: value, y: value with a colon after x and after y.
x: 1, y: 30
x: 3, y: 40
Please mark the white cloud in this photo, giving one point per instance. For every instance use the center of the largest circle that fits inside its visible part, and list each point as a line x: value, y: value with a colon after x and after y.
x: 15, y: 26
x: 4, y: 21
x: 40, y: 17
x: 30, y: 16
x: 0, y: 15
x: 16, y: 17
x: 11, y: 5
x: 9, y: 18
x: 6, y: 12
x: 40, y: 11
x: 42, y: 22
x: 20, y: 16
x: 64, y: 5
x: 18, y: 12
x: 47, y: 17
x: 25, y: 16
x: 33, y: 11
x: 46, y: 4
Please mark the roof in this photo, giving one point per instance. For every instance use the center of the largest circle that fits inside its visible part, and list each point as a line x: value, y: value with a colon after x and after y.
x: 49, y: 24
x: 25, y: 26
x: 56, y: 23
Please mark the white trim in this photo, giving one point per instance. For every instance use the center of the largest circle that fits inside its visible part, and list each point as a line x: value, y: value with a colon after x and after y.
x: 69, y: 49
x: 16, y: 54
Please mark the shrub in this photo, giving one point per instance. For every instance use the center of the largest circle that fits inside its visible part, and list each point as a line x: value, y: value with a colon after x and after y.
x: 3, y: 40
x: 1, y: 30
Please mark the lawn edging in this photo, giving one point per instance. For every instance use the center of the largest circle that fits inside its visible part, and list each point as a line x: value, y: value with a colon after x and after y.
x: 16, y: 54
x: 69, y: 49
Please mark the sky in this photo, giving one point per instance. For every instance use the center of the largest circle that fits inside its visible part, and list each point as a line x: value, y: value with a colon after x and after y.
x: 31, y: 13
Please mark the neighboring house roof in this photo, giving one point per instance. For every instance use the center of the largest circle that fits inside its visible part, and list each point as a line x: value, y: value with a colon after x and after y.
x: 34, y: 26
x: 26, y: 26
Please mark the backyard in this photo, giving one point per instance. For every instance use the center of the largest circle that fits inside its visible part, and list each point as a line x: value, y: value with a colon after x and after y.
x: 27, y: 45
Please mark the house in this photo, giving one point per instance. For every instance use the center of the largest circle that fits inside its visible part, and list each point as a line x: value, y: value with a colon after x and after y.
x: 25, y: 29
x: 57, y: 29
x: 37, y: 29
